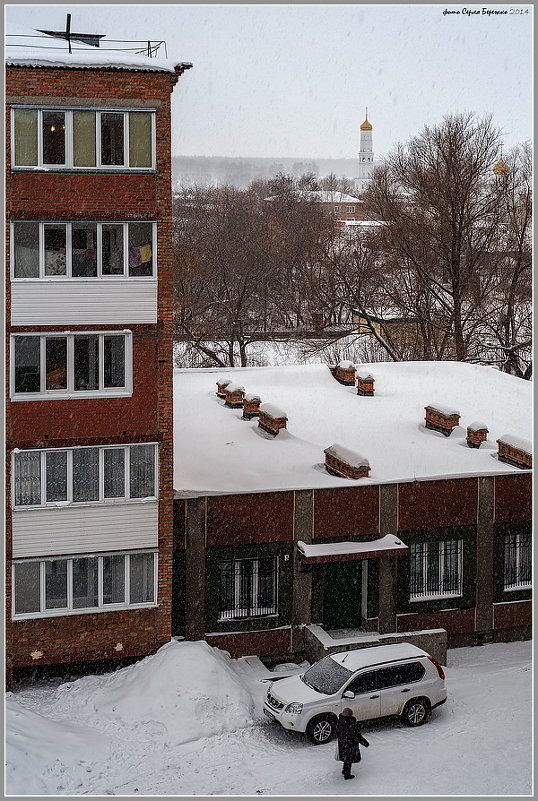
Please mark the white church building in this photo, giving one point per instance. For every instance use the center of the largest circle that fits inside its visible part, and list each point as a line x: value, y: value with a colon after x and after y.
x: 366, y: 157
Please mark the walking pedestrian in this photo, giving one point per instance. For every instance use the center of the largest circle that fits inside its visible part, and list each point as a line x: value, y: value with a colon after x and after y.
x: 350, y: 739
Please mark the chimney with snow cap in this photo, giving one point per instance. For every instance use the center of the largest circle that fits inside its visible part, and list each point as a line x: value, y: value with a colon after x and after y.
x: 345, y: 373
x: 476, y: 434
x: 441, y: 418
x: 222, y: 383
x: 251, y: 405
x: 271, y: 418
x: 515, y: 451
x: 365, y: 384
x: 233, y: 395
x: 340, y: 461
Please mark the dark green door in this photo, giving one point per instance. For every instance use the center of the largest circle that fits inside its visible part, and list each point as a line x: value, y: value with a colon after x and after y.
x: 342, y: 591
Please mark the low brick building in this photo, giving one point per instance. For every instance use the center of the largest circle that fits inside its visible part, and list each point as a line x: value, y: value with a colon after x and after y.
x: 432, y: 545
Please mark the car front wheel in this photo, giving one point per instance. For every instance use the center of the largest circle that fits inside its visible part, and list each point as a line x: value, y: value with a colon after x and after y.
x: 416, y: 712
x: 321, y: 729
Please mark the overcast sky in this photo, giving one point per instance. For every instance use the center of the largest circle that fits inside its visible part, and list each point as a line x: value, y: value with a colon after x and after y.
x: 293, y: 80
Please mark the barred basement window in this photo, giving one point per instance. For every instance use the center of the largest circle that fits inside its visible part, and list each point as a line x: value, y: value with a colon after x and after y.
x: 83, y: 475
x: 62, y: 251
x: 92, y: 582
x: 83, y: 138
x: 435, y: 569
x: 248, y: 588
x: 517, y: 561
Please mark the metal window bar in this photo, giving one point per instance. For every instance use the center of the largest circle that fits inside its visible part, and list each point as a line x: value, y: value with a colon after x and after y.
x: 517, y: 561
x: 435, y: 569
x: 248, y: 588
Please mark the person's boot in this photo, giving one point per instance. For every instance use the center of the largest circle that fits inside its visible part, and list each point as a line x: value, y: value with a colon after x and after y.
x: 349, y: 776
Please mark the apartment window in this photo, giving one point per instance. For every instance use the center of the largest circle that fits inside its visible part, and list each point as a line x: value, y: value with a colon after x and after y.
x: 337, y: 209
x: 435, y: 569
x: 83, y: 138
x: 517, y: 561
x: 70, y: 250
x: 71, y: 365
x: 83, y: 475
x: 351, y: 209
x: 94, y: 582
x: 248, y: 588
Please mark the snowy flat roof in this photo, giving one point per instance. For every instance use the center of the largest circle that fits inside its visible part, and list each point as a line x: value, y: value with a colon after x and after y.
x: 28, y: 47
x: 217, y: 451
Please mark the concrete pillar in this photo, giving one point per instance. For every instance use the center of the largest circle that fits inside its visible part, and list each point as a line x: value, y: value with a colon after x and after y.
x: 484, y: 554
x: 195, y: 569
x: 388, y: 565
x: 303, y: 529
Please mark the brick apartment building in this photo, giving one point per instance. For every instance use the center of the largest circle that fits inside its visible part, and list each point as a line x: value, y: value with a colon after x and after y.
x: 89, y: 350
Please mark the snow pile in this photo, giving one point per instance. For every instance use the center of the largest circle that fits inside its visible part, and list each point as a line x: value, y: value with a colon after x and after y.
x: 516, y: 442
x: 478, y: 743
x: 273, y: 411
x: 35, y: 743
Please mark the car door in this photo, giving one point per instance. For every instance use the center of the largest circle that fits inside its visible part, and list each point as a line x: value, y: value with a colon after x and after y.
x: 366, y: 703
x: 396, y: 685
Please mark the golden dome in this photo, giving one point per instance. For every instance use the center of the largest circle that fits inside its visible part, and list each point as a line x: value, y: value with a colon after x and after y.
x: 366, y: 125
x: 500, y: 168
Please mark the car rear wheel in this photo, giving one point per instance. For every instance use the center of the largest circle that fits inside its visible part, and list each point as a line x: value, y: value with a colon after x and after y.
x: 416, y: 712
x: 321, y: 729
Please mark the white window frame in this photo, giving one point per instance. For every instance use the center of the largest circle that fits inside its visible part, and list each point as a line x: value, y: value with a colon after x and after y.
x: 519, y: 584
x: 69, y: 139
x: 101, y: 500
x: 101, y: 607
x: 351, y: 209
x: 70, y: 392
x: 99, y: 247
x: 417, y: 598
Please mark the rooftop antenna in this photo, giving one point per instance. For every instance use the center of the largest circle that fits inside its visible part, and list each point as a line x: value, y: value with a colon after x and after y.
x: 68, y: 31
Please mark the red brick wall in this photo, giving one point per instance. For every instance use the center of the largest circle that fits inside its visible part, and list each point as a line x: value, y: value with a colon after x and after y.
x: 455, y: 621
x: 512, y: 615
x: 147, y: 415
x: 261, y: 643
x: 345, y: 511
x: 513, y: 498
x: 75, y: 638
x: 250, y: 518
x: 435, y: 504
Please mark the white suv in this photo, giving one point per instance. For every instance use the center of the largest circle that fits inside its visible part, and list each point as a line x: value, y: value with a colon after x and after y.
x: 396, y: 679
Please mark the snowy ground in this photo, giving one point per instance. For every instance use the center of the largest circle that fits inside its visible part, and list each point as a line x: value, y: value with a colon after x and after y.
x: 188, y: 721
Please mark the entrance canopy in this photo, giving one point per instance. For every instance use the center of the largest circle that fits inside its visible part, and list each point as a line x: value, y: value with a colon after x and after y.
x: 389, y: 545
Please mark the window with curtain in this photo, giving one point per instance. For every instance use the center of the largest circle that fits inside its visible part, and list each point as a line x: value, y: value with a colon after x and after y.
x: 55, y: 476
x: 27, y: 594
x: 25, y: 128
x: 142, y: 471
x: 141, y: 578
x: 26, y: 250
x: 84, y: 139
x: 27, y: 478
x: 85, y: 474
x: 81, y: 475
x: 140, y: 249
x: 140, y: 154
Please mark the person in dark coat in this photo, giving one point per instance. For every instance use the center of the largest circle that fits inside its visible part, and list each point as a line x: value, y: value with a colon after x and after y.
x: 350, y: 739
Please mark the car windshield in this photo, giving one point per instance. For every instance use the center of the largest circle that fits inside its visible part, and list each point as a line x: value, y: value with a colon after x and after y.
x: 326, y: 676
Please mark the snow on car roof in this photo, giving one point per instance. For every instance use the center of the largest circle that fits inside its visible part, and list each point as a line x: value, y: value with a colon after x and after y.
x: 364, y: 657
x: 217, y: 451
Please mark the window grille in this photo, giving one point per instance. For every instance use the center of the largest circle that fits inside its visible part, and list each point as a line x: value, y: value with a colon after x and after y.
x: 435, y: 569
x: 517, y: 561
x: 248, y: 588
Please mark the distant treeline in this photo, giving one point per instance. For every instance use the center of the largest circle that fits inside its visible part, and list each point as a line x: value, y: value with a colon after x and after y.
x: 190, y: 171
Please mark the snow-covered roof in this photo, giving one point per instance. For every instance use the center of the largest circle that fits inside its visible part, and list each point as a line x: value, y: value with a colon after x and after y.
x: 228, y: 454
x: 327, y: 550
x: 28, y: 47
